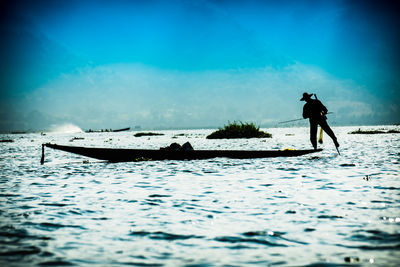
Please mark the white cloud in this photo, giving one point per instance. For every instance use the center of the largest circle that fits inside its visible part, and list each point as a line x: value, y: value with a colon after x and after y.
x: 353, y: 109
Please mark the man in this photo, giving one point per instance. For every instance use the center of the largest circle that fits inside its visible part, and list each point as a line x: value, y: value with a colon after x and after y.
x: 315, y: 111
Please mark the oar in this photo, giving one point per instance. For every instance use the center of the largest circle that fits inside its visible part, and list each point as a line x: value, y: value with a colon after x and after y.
x: 320, y: 136
x: 42, y: 159
x: 337, y: 149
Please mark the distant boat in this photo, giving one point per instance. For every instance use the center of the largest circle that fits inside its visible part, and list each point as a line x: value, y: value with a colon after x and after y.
x: 124, y: 154
x: 6, y: 141
x: 122, y: 130
x: 19, y: 132
x: 108, y: 130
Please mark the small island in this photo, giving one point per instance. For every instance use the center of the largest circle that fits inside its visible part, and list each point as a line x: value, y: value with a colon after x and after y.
x: 359, y: 131
x: 147, y: 134
x: 239, y: 130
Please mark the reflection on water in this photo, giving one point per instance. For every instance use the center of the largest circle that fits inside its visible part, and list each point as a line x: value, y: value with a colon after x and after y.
x: 309, y: 210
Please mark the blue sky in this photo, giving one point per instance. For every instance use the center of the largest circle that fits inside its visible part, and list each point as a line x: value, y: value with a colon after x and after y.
x: 181, y: 63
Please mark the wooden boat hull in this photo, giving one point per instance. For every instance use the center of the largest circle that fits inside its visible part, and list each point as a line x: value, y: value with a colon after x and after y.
x: 124, y: 154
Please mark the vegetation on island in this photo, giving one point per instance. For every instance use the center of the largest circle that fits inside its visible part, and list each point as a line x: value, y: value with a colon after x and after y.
x: 239, y: 130
x: 359, y: 131
x: 147, y: 134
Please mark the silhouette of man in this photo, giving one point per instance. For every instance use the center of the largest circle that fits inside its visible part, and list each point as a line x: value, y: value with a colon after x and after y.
x: 315, y: 111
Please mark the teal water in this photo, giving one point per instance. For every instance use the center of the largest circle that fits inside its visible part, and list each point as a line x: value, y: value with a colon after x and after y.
x: 318, y: 209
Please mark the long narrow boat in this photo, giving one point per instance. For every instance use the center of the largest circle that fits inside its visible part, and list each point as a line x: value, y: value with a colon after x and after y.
x: 121, y: 130
x: 108, y: 130
x: 124, y: 154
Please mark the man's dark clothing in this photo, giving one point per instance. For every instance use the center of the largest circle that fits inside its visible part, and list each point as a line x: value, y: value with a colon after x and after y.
x: 315, y: 111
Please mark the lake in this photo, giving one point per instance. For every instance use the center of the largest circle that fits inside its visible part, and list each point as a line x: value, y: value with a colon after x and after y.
x: 318, y: 209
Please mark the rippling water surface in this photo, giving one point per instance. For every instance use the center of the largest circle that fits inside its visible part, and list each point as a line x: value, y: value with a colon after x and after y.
x: 310, y: 210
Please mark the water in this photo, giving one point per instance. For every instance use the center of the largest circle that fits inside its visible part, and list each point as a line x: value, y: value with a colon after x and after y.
x: 319, y: 209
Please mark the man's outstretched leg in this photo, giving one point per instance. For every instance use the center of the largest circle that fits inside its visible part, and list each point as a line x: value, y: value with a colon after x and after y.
x: 324, y: 125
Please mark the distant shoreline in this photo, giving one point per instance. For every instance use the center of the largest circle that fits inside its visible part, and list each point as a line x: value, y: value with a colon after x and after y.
x: 303, y: 125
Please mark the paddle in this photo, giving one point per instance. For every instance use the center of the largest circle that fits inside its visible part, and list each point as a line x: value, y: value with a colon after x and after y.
x: 42, y: 159
x: 337, y: 149
x: 320, y: 136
